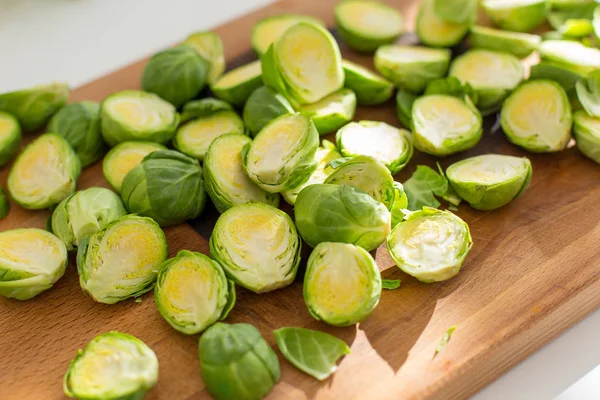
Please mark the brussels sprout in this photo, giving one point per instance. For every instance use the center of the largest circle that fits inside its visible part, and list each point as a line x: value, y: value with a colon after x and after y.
x: 332, y: 112
x: 518, y: 44
x: 268, y: 30
x: 166, y: 186
x: 210, y: 47
x: 79, y: 124
x: 365, y: 25
x: 33, y: 107
x: 434, y: 31
x: 263, y: 106
x: 237, y: 363
x: 490, y: 181
x: 586, y: 130
x: 85, y: 213
x: 404, y: 105
x: 194, y: 137
x: 4, y: 204
x: 238, y: 84
x: 537, y: 117
x: 281, y: 157
x: 257, y: 245
x: 192, y: 292
x: 44, y: 173
x: 572, y: 55
x: 369, y: 87
x: 290, y: 66
x: 224, y: 177
x: 390, y: 145
x: 430, y: 244
x: 341, y: 213
x: 123, y: 158
x: 515, y: 15
x: 138, y: 116
x: 342, y: 284
x: 558, y: 72
x: 572, y: 18
x: 412, y: 67
x: 177, y: 75
x: 113, y: 366
x: 203, y: 108
x: 121, y: 260
x: 588, y: 93
x: 457, y: 11
x: 10, y: 137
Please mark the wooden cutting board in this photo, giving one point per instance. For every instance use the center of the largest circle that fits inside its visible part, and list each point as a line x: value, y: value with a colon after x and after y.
x: 533, y: 272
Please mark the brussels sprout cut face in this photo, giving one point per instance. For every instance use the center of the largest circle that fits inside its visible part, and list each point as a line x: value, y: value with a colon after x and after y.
x: 369, y: 87
x: 342, y: 285
x: 519, y: 44
x: 587, y: 135
x: 430, y: 244
x: 435, y: 31
x: 537, y: 117
x: 263, y: 106
x: 238, y: 84
x: 573, y: 55
x: 257, y: 245
x: 10, y: 137
x: 332, y: 112
x: 210, y: 47
x: 268, y: 30
x: 113, y: 366
x: 515, y: 15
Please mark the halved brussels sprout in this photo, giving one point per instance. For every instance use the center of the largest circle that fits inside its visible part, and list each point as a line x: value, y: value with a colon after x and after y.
x: 557, y: 72
x: 4, y: 204
x: 537, y: 117
x: 239, y: 83
x: 430, y: 244
x: 138, y: 116
x: 490, y: 181
x: 332, y: 112
x: 31, y: 261
x: 588, y: 93
x: 224, y: 177
x: 121, y: 260
x: 44, y: 173
x: 586, y: 130
x: 33, y: 107
x: 10, y: 137
x: 263, y: 106
x: 519, y: 44
x: 515, y: 15
x: 457, y: 11
x: 268, y: 30
x: 203, y: 108
x: 79, y: 124
x: 210, y: 47
x: 257, y: 245
x: 166, y: 186
x: 365, y: 25
x: 123, y: 158
x: 404, y: 105
x: 412, y: 67
x: 341, y: 213
x: 369, y: 87
x: 572, y: 55
x: 444, y: 125
x: 433, y: 30
x: 281, y: 157
x: 390, y: 145
x: 342, y: 284
x: 85, y: 213
x: 113, y: 366
x: 192, y: 292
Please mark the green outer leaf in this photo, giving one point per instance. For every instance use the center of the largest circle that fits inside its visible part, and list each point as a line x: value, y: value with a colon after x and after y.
x: 400, y: 204
x: 404, y: 104
x: 519, y: 44
x: 332, y: 112
x: 390, y: 284
x: 587, y: 135
x: 263, y: 106
x: 521, y: 17
x: 237, y: 93
x: 558, y: 72
x: 434, y: 31
x: 445, y: 340
x: 210, y: 47
x: 370, y: 88
x: 588, y: 92
x: 12, y: 139
x: 421, y: 187
x: 231, y: 299
x: 451, y: 86
x: 202, y: 108
x: 4, y: 204
x: 457, y: 11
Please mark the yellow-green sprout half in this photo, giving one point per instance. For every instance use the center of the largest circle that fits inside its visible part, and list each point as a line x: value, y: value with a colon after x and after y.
x: 121, y: 260
x: 490, y: 181
x: 238, y: 84
x: 192, y: 292
x: 430, y: 244
x: 515, y: 15
x: 342, y: 284
x: 519, y: 44
x: 263, y: 106
x: 113, y: 366
x: 257, y: 245
x: 365, y: 25
x: 570, y: 54
x: 44, y: 173
x: 369, y: 87
x: 268, y: 30
x: 435, y: 31
x: 10, y: 137
x: 210, y: 47
x: 537, y: 117
x: 586, y: 130
x: 332, y: 112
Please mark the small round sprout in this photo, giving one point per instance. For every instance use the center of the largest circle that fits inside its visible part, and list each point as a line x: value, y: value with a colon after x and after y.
x: 515, y: 15
x: 430, y: 244
x: 4, y: 204
x: 10, y: 137
x: 31, y: 261
x: 192, y: 292
x: 44, y: 173
x: 572, y: 55
x: 238, y: 84
x: 121, y: 260
x: 263, y: 106
x: 341, y: 213
x: 79, y: 124
x: 445, y: 125
x: 490, y: 181
x: 167, y: 186
x: 84, y: 213
x: 586, y: 130
x: 210, y: 47
x: 257, y: 245
x: 390, y: 145
x: 113, y: 366
x: 332, y: 112
x: 412, y: 67
x: 519, y: 44
x: 537, y: 117
x: 268, y: 30
x: 434, y: 31
x: 365, y: 25
x: 281, y: 157
x: 369, y: 87
x: 33, y: 107
x: 342, y: 284
x: 224, y: 177
x: 137, y: 116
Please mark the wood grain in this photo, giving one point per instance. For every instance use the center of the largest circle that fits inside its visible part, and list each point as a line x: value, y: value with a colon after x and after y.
x: 533, y: 272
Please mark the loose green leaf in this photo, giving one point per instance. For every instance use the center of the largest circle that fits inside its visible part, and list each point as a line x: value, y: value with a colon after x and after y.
x: 422, y: 187
x: 588, y: 92
x: 390, y: 284
x: 445, y: 340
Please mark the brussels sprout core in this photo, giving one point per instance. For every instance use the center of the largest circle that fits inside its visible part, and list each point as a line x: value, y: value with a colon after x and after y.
x: 268, y: 30
x: 515, y: 15
x: 435, y: 31
x: 238, y: 84
x: 10, y: 137
x: 587, y: 134
x: 332, y: 112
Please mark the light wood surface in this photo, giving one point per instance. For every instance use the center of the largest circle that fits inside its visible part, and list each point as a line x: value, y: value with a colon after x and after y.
x: 533, y: 272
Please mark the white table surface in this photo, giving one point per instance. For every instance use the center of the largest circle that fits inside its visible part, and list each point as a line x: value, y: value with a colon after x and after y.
x: 78, y: 40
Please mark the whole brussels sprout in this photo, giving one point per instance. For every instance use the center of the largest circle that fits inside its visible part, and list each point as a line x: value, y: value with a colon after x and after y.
x: 332, y: 112
x: 210, y: 47
x: 587, y: 134
x: 167, y: 186
x: 369, y: 87
x: 435, y: 31
x: 10, y: 137
x: 520, y: 15
x: 519, y: 44
x: 203, y: 108
x: 238, y: 84
x: 4, y: 204
x: 572, y: 55
x: 263, y: 106
x: 268, y: 30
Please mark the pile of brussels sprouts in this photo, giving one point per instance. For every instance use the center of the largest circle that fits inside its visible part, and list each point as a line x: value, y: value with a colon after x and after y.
x: 169, y: 148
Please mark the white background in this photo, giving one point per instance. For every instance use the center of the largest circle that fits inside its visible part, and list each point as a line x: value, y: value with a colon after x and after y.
x: 78, y: 40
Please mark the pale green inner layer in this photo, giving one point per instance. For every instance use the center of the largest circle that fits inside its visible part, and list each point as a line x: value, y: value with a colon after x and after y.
x: 31, y: 251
